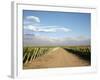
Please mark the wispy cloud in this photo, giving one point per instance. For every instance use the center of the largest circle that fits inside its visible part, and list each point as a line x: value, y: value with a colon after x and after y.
x: 33, y: 23
x: 32, y: 40
x: 47, y: 29
x: 33, y: 18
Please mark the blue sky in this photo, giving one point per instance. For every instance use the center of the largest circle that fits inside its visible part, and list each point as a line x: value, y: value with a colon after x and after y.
x: 57, y: 25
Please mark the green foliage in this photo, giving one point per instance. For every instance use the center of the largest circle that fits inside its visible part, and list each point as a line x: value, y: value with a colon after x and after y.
x: 82, y: 52
x: 31, y: 53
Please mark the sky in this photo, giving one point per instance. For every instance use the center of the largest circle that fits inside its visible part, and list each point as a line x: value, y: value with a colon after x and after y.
x: 56, y: 28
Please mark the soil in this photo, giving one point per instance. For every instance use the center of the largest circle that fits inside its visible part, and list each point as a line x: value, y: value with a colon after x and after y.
x: 58, y: 57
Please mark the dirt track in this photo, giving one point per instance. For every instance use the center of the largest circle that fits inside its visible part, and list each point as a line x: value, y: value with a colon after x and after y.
x: 57, y: 57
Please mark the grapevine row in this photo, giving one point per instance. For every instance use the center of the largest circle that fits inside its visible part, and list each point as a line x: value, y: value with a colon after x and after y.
x: 31, y: 53
x: 84, y: 53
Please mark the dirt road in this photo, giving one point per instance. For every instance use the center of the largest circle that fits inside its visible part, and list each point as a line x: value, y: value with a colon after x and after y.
x: 57, y: 57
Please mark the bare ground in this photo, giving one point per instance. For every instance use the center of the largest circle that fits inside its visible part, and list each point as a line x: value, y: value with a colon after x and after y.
x: 57, y: 57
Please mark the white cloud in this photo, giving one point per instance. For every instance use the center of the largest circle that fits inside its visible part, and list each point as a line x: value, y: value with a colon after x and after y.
x: 32, y: 40
x: 31, y: 20
x: 33, y: 28
x: 33, y: 23
x: 48, y: 29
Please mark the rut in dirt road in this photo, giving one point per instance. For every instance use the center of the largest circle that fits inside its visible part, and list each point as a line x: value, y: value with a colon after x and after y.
x: 58, y: 57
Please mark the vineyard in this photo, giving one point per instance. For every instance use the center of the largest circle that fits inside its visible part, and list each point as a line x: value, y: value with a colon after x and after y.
x: 31, y: 53
x: 82, y: 52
